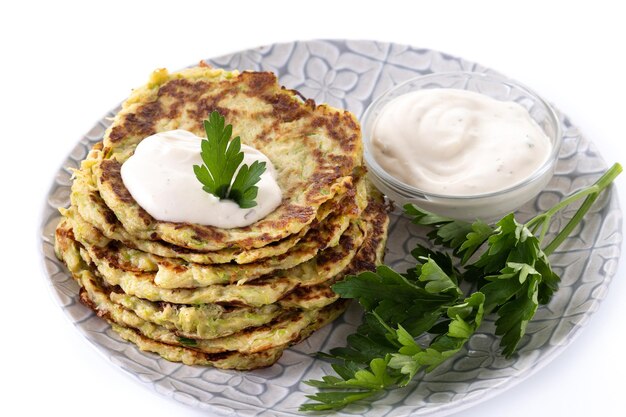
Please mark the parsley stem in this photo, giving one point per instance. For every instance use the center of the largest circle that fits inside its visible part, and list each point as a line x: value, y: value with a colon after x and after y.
x: 591, y: 193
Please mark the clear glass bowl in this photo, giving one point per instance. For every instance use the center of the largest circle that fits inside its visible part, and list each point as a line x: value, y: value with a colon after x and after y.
x: 487, y: 206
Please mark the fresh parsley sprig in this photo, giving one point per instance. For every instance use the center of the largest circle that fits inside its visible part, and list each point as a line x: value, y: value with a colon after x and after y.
x: 383, y: 353
x: 416, y: 320
x: 222, y: 157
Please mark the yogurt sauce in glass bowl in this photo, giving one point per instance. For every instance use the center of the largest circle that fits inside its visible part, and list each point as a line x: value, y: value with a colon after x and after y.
x: 462, y: 145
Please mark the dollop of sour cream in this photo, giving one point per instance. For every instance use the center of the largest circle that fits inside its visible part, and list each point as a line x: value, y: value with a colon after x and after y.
x: 457, y: 142
x: 160, y: 177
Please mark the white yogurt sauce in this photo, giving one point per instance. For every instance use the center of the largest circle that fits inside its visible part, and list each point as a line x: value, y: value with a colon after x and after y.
x: 456, y: 142
x: 160, y: 177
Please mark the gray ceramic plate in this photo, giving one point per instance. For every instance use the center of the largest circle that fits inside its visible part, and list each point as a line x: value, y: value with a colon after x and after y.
x: 349, y: 74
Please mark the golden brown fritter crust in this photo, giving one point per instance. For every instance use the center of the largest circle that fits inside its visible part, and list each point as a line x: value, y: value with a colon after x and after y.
x: 315, y: 150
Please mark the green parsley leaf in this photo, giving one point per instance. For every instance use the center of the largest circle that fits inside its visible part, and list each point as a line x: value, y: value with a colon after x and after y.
x: 222, y: 157
x: 335, y: 400
x: 462, y: 237
x: 481, y: 231
x: 415, y: 321
x: 515, y: 314
x: 398, y: 307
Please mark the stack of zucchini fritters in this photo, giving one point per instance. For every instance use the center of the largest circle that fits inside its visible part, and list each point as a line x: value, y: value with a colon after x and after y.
x: 230, y: 298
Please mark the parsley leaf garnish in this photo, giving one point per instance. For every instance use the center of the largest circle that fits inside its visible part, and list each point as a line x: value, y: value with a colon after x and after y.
x: 222, y: 157
x: 417, y: 320
x: 384, y: 353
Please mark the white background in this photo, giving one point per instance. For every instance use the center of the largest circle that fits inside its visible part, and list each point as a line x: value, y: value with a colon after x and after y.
x: 63, y: 65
